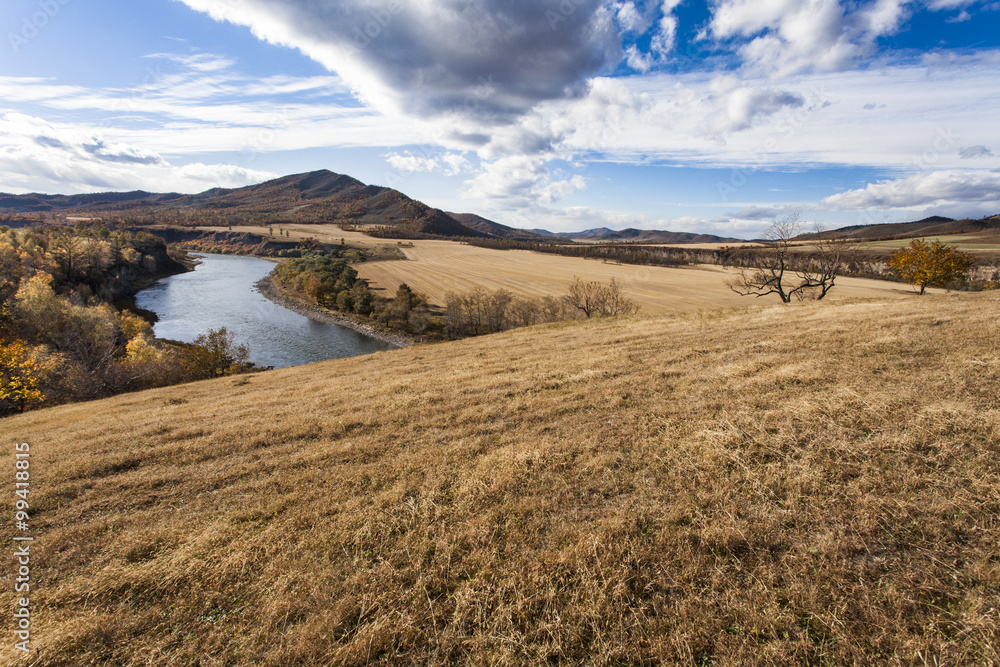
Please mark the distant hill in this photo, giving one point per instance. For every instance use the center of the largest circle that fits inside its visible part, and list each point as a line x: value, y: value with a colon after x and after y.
x: 656, y: 236
x: 490, y: 228
x: 312, y: 197
x: 933, y: 226
x: 39, y: 203
x: 638, y: 236
x: 585, y: 234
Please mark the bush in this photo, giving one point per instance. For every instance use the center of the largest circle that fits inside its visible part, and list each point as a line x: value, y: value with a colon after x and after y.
x: 215, y: 354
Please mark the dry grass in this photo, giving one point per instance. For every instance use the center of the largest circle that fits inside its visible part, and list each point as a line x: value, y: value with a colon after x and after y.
x: 817, y: 484
x: 435, y: 268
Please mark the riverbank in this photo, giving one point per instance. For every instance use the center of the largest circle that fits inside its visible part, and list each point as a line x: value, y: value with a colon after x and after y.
x: 183, y: 262
x: 286, y: 299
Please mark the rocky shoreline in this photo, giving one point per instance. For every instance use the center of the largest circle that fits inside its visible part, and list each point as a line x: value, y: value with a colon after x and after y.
x: 274, y: 293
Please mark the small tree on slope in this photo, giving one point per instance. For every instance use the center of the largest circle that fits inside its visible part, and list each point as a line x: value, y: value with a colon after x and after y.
x: 922, y: 263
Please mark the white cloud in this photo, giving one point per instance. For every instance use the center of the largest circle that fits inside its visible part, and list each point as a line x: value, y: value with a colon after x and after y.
x: 519, y: 182
x: 199, y: 62
x: 638, y: 60
x: 410, y: 162
x: 630, y: 18
x: 449, y: 164
x: 969, y: 152
x: 755, y: 212
x: 738, y: 105
x: 938, y: 5
x: 694, y: 120
x: 455, y: 163
x: 180, y: 110
x: 786, y: 37
x: 947, y: 187
x: 37, y: 156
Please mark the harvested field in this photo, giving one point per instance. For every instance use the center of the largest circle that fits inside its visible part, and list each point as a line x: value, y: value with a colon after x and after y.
x: 436, y: 268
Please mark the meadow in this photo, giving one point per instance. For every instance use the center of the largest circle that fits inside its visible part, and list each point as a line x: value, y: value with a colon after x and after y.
x: 808, y: 484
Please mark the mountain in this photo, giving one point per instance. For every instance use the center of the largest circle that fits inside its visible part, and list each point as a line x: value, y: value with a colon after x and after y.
x: 490, y: 228
x: 39, y: 203
x: 585, y: 234
x: 657, y: 236
x: 638, y: 235
x: 933, y: 226
x: 317, y: 196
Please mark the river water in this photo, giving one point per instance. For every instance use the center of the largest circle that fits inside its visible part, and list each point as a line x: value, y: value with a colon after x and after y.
x: 221, y: 292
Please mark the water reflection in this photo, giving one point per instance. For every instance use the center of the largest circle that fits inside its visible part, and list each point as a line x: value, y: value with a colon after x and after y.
x: 220, y: 292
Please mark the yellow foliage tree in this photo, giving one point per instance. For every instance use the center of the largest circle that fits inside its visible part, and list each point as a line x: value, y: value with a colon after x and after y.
x: 19, y: 378
x: 922, y: 263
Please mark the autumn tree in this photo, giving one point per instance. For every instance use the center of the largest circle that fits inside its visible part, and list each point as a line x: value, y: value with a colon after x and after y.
x: 923, y: 264
x: 19, y: 378
x: 216, y: 353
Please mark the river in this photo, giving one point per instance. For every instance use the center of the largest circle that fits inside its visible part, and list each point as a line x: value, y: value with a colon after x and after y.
x: 221, y: 292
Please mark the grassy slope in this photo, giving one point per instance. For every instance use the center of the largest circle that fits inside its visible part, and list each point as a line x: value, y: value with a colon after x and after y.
x: 815, y: 484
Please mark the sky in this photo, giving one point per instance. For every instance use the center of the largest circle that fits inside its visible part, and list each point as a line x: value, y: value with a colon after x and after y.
x: 716, y: 117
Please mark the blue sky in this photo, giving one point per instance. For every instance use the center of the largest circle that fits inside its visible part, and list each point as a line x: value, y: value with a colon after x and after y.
x: 565, y: 114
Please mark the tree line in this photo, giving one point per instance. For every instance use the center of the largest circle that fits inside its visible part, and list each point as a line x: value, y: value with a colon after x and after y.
x: 62, y: 340
x: 483, y: 312
x: 330, y: 281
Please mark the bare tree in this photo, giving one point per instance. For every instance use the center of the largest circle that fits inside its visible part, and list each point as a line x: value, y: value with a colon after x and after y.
x: 776, y: 269
x: 495, y: 315
x: 820, y: 274
x: 524, y: 312
x: 594, y: 299
x: 616, y: 303
x: 588, y: 298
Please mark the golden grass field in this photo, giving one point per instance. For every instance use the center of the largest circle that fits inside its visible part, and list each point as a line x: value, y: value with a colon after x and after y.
x: 817, y: 484
x: 435, y: 268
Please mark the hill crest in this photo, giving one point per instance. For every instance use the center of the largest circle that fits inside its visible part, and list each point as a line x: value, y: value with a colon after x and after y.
x: 666, y: 490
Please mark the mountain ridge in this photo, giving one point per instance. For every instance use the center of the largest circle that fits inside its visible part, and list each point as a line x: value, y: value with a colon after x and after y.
x: 327, y: 196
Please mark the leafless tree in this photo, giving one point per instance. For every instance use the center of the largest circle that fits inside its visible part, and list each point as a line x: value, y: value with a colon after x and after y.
x: 594, y: 299
x: 616, y: 303
x: 524, y: 312
x: 777, y: 269
x: 495, y: 313
x: 589, y: 298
